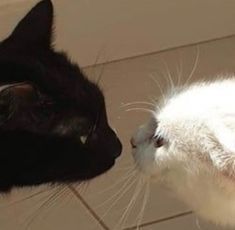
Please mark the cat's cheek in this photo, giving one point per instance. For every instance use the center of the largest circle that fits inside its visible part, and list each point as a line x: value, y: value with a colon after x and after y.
x: 145, y: 160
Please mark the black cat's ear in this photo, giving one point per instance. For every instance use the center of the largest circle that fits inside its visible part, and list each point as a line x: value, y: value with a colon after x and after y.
x: 35, y: 29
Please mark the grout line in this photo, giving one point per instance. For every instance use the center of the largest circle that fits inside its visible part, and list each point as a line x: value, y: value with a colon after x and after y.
x: 157, y: 52
x: 160, y: 220
x: 90, y: 210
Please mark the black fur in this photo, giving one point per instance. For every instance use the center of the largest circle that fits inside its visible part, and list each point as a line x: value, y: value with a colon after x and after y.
x: 46, y: 108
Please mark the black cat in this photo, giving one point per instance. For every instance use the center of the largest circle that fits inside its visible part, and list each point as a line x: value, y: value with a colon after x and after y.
x: 53, y: 122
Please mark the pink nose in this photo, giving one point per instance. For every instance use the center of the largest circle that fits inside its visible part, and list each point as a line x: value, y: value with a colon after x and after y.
x: 133, y: 144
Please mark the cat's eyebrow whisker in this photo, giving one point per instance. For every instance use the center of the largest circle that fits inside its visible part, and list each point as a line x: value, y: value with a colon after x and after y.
x: 194, y: 66
x: 131, y: 204
x: 141, y: 109
x: 97, y: 58
x: 171, y: 82
x: 159, y: 87
x: 179, y: 69
x: 157, y: 107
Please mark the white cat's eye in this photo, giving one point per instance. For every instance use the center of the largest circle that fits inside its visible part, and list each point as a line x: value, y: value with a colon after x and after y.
x: 158, y: 141
x: 83, y: 139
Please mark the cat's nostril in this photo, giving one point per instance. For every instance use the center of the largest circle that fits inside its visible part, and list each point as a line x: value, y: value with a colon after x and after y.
x: 132, y: 141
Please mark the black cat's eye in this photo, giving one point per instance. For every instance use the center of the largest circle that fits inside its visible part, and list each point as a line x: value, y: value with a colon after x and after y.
x: 158, y: 141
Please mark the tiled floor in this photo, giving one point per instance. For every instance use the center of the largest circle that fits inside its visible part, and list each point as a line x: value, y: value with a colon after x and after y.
x: 103, y: 204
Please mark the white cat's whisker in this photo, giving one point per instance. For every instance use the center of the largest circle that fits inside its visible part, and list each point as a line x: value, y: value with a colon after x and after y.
x: 129, y: 207
x: 120, y: 196
x: 194, y: 66
x: 141, y: 109
x: 121, y: 190
x: 127, y: 175
x: 138, y: 102
x: 145, y: 200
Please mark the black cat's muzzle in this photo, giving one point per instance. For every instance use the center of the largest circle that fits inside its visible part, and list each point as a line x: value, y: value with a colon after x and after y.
x: 113, y: 144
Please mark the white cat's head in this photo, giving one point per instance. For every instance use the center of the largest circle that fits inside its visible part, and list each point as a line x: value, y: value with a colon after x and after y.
x: 189, y: 144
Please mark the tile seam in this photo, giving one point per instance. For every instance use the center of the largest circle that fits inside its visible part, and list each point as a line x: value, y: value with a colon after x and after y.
x: 88, y: 208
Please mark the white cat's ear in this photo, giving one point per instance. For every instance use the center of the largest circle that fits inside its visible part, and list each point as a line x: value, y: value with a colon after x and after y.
x: 223, y: 157
x: 35, y: 29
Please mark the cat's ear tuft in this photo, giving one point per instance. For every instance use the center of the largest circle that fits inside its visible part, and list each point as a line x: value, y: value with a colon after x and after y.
x: 35, y: 29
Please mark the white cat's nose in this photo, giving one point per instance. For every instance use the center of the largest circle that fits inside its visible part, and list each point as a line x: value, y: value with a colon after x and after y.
x: 133, y: 143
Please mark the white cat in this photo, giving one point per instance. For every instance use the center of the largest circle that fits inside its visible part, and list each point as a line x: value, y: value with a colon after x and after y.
x: 189, y: 145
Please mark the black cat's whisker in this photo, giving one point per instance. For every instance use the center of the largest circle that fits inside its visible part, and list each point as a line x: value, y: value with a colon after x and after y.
x: 126, y: 168
x: 94, y: 65
x: 46, y: 204
x: 28, y: 197
x: 145, y: 200
x: 121, y: 194
x: 194, y: 66
x: 100, y: 74
x: 129, y: 181
x: 84, y: 187
x: 129, y: 207
x: 141, y: 109
x: 31, y: 218
x: 80, y: 187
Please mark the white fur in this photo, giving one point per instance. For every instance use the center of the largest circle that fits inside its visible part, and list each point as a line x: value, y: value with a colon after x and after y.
x: 197, y: 160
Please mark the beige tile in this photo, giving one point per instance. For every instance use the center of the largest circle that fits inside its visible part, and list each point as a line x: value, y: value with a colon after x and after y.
x: 119, y: 29
x: 129, y: 81
x: 63, y: 211
x: 190, y: 222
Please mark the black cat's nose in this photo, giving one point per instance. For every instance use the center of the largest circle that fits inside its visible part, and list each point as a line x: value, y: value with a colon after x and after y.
x: 118, y: 151
x: 113, y: 144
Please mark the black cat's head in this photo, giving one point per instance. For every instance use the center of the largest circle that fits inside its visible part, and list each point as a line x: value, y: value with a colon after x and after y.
x: 53, y: 122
